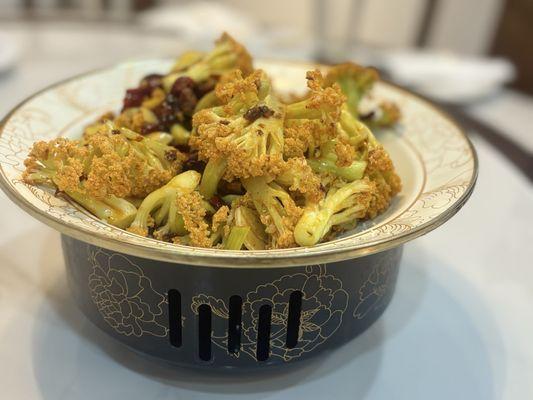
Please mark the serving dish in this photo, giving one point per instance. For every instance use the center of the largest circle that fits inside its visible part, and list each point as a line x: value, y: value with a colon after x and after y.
x: 236, y: 309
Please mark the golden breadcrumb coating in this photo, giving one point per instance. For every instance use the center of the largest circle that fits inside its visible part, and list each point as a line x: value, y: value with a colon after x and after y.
x: 150, y: 223
x: 365, y: 198
x: 138, y: 230
x: 191, y: 208
x: 220, y: 218
x: 380, y: 170
x: 107, y: 172
x: 325, y: 98
x: 379, y: 160
x: 345, y: 153
x: 69, y: 177
x: 301, y: 178
x: 297, y: 141
x: 304, y: 136
x: 245, y: 167
x: 234, y: 84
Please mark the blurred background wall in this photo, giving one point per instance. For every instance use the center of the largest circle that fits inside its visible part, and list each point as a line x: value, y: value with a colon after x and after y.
x: 470, y: 28
x: 465, y: 26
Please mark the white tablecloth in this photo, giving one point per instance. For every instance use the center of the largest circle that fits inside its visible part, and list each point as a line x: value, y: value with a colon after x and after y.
x: 459, y: 327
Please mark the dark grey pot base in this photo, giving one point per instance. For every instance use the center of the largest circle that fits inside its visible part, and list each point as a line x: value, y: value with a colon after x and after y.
x: 229, y: 318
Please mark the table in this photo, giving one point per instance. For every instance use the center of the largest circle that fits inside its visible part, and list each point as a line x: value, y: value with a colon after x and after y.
x: 459, y: 327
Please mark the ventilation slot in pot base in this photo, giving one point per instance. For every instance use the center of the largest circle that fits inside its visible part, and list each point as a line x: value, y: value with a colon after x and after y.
x: 204, y: 332
x: 174, y: 317
x: 293, y: 321
x: 234, y: 324
x: 263, y: 333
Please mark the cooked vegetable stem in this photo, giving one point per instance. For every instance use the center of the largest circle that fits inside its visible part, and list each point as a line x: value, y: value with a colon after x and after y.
x: 236, y: 237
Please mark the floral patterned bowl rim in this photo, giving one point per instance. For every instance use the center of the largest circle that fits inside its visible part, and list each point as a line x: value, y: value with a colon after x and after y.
x: 435, y: 160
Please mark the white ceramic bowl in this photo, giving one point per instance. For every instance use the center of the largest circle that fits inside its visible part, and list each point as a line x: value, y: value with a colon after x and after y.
x: 433, y: 157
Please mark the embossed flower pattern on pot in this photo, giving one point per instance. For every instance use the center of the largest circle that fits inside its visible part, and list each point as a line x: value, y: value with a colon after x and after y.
x: 124, y: 296
x: 375, y: 292
x: 324, y: 302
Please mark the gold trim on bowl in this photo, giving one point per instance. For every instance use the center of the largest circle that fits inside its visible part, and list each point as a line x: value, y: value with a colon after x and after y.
x: 337, y: 250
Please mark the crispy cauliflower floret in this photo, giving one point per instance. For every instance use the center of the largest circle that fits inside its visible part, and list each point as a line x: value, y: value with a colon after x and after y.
x: 193, y: 212
x: 343, y: 205
x: 110, y: 161
x: 386, y: 115
x: 57, y: 163
x: 381, y: 171
x: 354, y: 80
x: 298, y: 176
x: 345, y: 153
x: 277, y: 210
x: 311, y: 122
x: 160, y: 209
x: 243, y: 137
x: 228, y: 55
x: 66, y: 165
x: 259, y: 172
